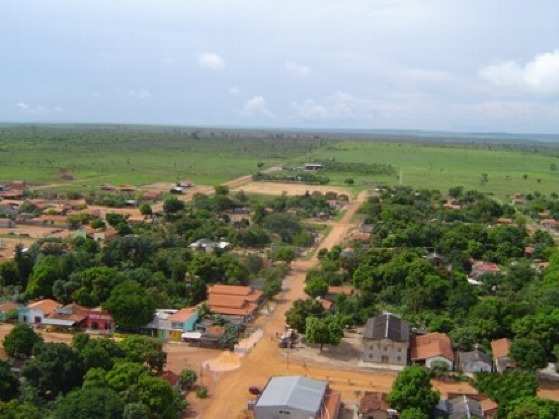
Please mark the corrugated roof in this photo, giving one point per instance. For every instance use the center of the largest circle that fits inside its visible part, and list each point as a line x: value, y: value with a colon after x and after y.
x: 294, y: 391
x: 182, y: 315
x: 466, y: 359
x: 47, y: 306
x: 230, y: 289
x: 387, y: 326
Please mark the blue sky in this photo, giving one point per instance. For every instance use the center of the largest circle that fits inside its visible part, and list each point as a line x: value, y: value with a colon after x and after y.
x: 465, y: 65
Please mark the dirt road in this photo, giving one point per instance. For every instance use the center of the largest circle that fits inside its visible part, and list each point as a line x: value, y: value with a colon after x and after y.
x: 230, y: 396
x: 275, y: 188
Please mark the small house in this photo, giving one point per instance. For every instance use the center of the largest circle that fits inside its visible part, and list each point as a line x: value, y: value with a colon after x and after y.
x: 69, y: 316
x: 474, y: 362
x: 237, y: 302
x: 373, y: 405
x: 550, y: 223
x: 466, y: 407
x: 501, y: 354
x: 386, y: 340
x: 209, y: 246
x: 480, y: 268
x: 431, y: 349
x: 8, y: 310
x: 36, y: 311
x: 312, y: 167
x: 297, y: 397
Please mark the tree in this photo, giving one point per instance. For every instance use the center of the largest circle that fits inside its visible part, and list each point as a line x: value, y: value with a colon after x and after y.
x: 187, y: 379
x: 412, y: 390
x: 45, y: 272
x: 55, y: 368
x: 15, y: 409
x: 172, y: 205
x: 528, y: 353
x: 89, y: 403
x: 146, y: 350
x: 159, y: 397
x: 114, y: 219
x: 130, y: 305
x: 9, y: 384
x: 9, y: 274
x: 21, y: 340
x: 484, y: 178
x: 221, y: 190
x: 283, y: 253
x: 296, y: 316
x: 504, y: 388
x: 456, y: 192
x: 101, y: 353
x: 145, y: 210
x: 260, y: 164
x: 413, y: 413
x: 125, y: 374
x: 316, y: 287
x: 349, y: 181
x: 136, y: 411
x: 533, y: 408
x: 325, y: 331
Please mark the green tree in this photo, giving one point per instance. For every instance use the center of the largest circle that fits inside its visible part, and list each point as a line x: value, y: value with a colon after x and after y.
x: 89, y: 403
x: 504, y: 388
x: 172, y: 205
x: 413, y: 413
x: 159, y: 397
x: 55, y: 368
x: 324, y: 331
x: 135, y: 410
x: 528, y: 353
x: 187, y: 379
x: 296, y: 316
x: 533, y: 408
x: 16, y: 409
x: 9, y: 384
x: 316, y: 287
x: 21, y: 340
x: 412, y: 389
x: 130, y: 305
x: 45, y: 272
x: 144, y: 350
x: 145, y: 210
x: 125, y: 374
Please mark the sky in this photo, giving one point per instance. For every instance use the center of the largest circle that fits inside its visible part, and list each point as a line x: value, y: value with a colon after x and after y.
x: 459, y: 65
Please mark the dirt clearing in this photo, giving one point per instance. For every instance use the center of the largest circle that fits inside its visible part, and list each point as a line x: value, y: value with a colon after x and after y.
x: 273, y: 188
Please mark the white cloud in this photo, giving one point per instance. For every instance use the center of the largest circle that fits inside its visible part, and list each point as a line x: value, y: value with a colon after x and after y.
x: 140, y: 94
x: 211, y: 61
x: 424, y: 75
x: 296, y: 69
x: 38, y: 109
x: 234, y: 91
x: 540, y: 75
x: 256, y: 106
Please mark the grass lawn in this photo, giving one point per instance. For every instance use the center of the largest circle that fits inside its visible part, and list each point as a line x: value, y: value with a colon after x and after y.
x: 441, y: 167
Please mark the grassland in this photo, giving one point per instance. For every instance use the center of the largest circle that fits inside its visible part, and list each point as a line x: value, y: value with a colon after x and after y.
x: 95, y: 155
x: 440, y: 167
x: 140, y: 155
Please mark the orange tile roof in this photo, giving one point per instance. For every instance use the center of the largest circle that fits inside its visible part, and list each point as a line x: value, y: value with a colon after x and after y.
x: 8, y: 306
x: 182, y: 315
x: 47, y: 306
x: 344, y: 290
x: 488, y: 406
x: 372, y: 401
x: 246, y: 310
x: 431, y: 345
x: 229, y: 289
x: 500, y: 347
x: 326, y: 304
x: 231, y: 301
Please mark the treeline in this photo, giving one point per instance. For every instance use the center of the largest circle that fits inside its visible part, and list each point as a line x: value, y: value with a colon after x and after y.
x: 299, y: 177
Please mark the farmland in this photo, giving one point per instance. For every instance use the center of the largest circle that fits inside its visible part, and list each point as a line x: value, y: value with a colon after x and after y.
x: 74, y: 156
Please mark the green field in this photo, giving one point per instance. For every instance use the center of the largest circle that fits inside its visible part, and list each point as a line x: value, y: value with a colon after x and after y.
x: 440, y: 167
x: 95, y: 154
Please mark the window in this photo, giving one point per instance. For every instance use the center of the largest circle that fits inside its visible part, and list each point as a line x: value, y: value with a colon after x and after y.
x: 398, y: 358
x: 399, y: 349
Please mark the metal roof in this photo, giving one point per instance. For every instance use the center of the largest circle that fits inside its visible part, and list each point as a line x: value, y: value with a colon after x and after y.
x: 387, y: 326
x: 294, y: 391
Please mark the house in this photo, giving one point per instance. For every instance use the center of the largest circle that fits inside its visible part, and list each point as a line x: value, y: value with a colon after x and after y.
x: 327, y: 305
x: 209, y: 246
x: 474, y: 362
x: 432, y: 348
x: 504, y: 221
x: 171, y: 323
x: 234, y: 301
x: 529, y: 251
x: 466, y: 407
x: 373, y: 405
x: 480, y: 268
x: 99, y: 320
x: 550, y: 223
x: 7, y: 223
x: 501, y: 354
x: 69, y: 316
x: 452, y: 204
x: 297, y: 397
x: 151, y: 195
x: 334, y: 291
x: 386, y: 340
x: 8, y: 309
x: 36, y: 311
x: 312, y: 167
x: 185, y: 184
x: 126, y: 188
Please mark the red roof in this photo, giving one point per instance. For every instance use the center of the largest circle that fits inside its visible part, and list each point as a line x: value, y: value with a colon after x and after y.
x: 500, y: 347
x: 183, y: 314
x: 373, y: 401
x: 431, y: 345
x: 230, y: 289
x: 341, y: 290
x: 481, y: 266
x: 8, y: 306
x: 170, y: 377
x: 47, y: 306
x: 233, y: 300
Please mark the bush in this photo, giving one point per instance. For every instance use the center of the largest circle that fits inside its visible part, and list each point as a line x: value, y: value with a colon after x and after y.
x: 202, y: 392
